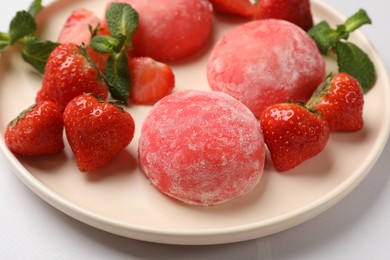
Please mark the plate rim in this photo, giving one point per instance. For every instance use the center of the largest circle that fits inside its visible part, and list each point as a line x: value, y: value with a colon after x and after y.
x: 223, y: 235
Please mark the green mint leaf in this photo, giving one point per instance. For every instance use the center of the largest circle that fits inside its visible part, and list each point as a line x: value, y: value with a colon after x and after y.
x: 4, y: 41
x: 357, y: 20
x: 35, y: 7
x: 22, y: 24
x: 37, y: 52
x: 107, y: 44
x: 118, y: 76
x: 4, y: 36
x: 122, y: 19
x: 324, y: 36
x: 352, y: 60
x: 3, y: 45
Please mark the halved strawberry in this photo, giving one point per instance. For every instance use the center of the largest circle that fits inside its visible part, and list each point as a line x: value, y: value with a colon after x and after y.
x: 242, y: 8
x: 77, y: 27
x: 294, y: 11
x: 150, y: 80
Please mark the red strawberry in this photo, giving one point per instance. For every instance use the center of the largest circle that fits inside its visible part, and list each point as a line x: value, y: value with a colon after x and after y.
x: 96, y: 131
x: 294, y: 11
x: 293, y: 134
x: 36, y: 131
x: 151, y: 80
x: 340, y: 100
x: 69, y: 74
x: 242, y: 8
x: 77, y: 27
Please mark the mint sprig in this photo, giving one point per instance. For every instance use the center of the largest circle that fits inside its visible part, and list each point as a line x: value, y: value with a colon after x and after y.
x: 22, y: 25
x: 35, y: 7
x: 122, y: 22
x: 36, y: 53
x: 350, y: 58
x: 22, y: 31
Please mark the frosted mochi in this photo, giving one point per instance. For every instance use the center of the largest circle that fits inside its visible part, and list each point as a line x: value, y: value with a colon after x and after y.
x: 266, y: 62
x: 170, y: 30
x: 201, y: 147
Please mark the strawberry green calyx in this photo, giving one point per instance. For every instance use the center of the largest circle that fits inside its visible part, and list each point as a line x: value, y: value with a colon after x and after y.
x: 350, y: 58
x: 21, y: 115
x: 321, y: 90
x: 21, y: 31
x: 117, y: 103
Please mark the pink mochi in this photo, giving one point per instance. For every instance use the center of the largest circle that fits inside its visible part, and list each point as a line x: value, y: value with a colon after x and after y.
x: 201, y: 147
x: 266, y: 62
x: 170, y: 30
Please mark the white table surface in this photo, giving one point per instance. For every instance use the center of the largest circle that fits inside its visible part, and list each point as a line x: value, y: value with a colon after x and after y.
x: 358, y: 227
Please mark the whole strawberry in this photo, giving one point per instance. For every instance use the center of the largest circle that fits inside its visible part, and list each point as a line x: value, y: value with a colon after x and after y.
x: 292, y: 134
x: 68, y: 73
x: 96, y: 131
x: 36, y: 131
x: 294, y: 11
x: 340, y: 100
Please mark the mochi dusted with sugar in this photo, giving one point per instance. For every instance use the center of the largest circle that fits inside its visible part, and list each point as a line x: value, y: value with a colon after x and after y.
x: 170, y: 30
x: 201, y: 147
x: 266, y: 62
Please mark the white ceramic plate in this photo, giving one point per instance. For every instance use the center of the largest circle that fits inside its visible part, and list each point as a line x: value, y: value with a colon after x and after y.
x: 120, y: 200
